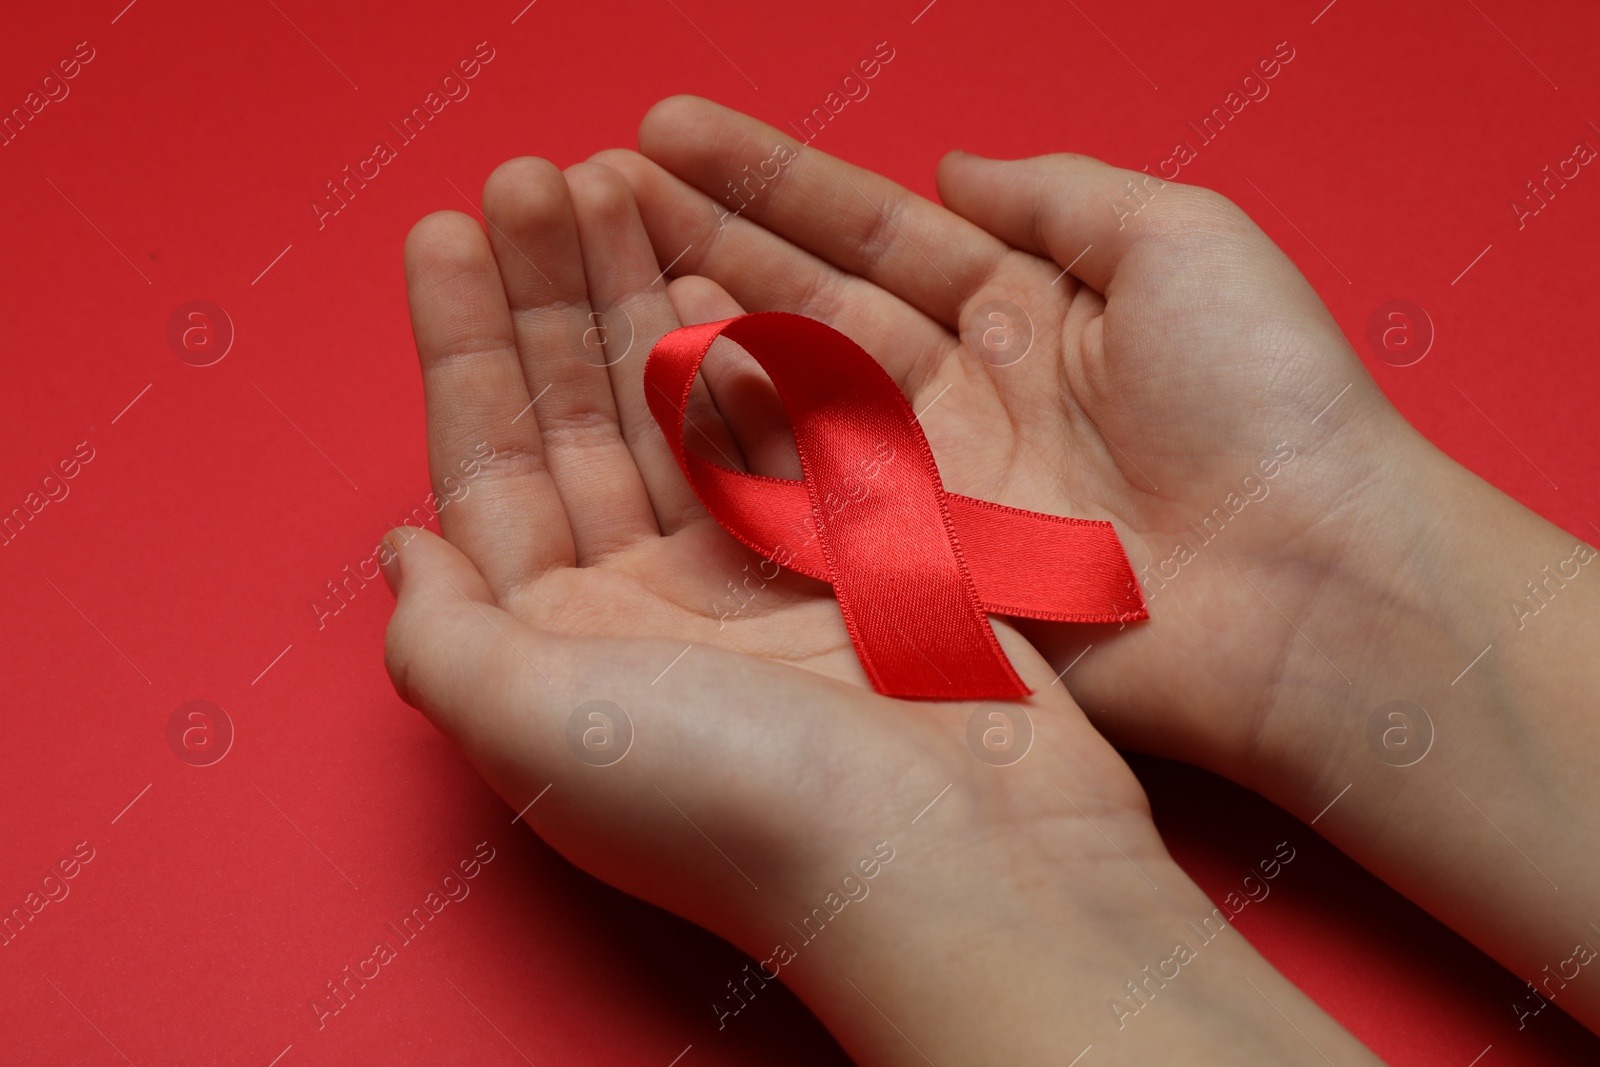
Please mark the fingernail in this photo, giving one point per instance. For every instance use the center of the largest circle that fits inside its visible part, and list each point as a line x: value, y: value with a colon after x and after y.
x: 389, y: 564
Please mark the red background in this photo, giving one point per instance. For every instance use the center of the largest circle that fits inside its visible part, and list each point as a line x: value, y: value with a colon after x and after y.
x: 186, y: 556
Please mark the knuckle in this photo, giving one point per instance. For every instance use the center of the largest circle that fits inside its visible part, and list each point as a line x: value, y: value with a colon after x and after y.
x: 577, y: 424
x: 467, y: 346
x: 822, y: 296
x: 514, y: 460
x: 878, y: 233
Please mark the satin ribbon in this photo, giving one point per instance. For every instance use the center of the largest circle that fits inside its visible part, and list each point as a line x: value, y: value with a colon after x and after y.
x: 916, y: 569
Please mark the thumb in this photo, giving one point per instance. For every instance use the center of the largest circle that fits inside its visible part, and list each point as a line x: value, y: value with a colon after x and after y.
x: 451, y: 652
x: 1073, y: 209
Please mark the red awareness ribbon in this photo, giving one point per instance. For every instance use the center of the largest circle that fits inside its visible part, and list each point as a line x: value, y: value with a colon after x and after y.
x: 916, y: 569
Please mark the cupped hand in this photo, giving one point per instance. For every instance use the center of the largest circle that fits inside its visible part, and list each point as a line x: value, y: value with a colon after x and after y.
x: 685, y: 725
x: 1087, y: 341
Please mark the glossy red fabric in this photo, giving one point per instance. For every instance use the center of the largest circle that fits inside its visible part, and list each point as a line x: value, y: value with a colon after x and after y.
x: 916, y: 569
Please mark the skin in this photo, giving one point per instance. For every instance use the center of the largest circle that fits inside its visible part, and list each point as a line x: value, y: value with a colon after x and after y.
x: 1180, y: 351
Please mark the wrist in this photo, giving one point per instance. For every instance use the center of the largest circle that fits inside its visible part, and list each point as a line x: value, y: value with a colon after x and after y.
x: 1397, y: 583
x: 1424, y: 592
x: 955, y: 960
x: 1452, y: 763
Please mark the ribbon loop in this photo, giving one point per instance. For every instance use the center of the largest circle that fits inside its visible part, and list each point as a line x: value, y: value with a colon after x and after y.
x: 916, y: 569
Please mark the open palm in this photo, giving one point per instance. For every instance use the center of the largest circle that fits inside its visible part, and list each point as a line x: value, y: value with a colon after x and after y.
x: 1080, y: 340
x: 680, y: 720
x: 703, y: 726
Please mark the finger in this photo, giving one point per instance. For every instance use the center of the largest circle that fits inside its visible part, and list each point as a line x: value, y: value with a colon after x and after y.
x: 764, y: 272
x: 535, y: 239
x: 1086, y: 215
x: 504, y: 510
x: 740, y: 388
x: 626, y: 286
x: 478, y: 672
x: 510, y: 694
x: 436, y: 587
x: 859, y: 221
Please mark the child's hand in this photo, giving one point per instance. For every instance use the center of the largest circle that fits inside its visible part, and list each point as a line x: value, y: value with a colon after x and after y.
x: 579, y: 567
x: 1187, y: 389
x: 1308, y: 556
